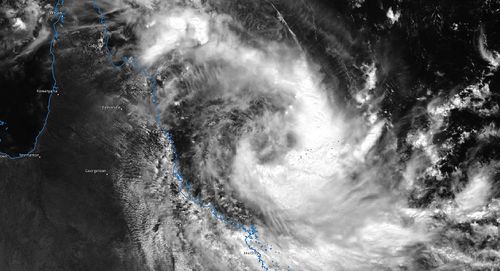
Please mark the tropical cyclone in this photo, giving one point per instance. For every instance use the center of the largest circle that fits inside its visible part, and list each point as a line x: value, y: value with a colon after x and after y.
x: 295, y: 136
x: 278, y: 135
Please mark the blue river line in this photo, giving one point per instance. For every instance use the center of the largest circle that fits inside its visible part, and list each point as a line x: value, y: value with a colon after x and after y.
x: 2, y: 123
x: 184, y: 186
x: 59, y: 20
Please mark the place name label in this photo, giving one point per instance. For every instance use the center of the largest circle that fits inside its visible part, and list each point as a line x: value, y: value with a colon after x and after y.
x: 24, y: 155
x: 96, y: 171
x: 46, y: 91
x: 111, y: 107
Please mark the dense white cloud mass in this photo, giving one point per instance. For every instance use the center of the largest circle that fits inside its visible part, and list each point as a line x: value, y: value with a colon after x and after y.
x: 493, y: 57
x: 177, y: 29
x: 307, y: 165
x: 295, y: 165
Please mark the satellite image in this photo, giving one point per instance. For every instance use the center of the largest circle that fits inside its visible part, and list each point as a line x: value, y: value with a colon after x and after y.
x: 304, y: 135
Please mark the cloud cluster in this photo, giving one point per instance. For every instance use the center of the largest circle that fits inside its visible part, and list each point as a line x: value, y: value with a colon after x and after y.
x: 308, y: 167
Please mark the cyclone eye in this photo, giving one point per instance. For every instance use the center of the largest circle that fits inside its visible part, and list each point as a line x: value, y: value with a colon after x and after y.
x: 270, y: 146
x: 291, y: 140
